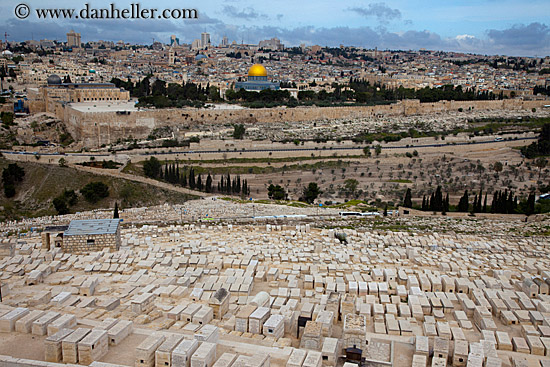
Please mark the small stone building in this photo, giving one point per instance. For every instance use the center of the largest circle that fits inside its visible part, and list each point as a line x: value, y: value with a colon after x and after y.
x: 90, y: 235
x: 52, y: 236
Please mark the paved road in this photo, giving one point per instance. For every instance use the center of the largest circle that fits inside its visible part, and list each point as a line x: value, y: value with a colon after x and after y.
x: 297, y: 149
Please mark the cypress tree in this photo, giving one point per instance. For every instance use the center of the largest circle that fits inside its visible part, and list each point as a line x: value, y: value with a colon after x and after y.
x: 478, y: 209
x: 485, y: 204
x: 208, y: 184
x: 424, y: 202
x: 245, y: 188
x: 530, y: 204
x: 192, y: 178
x: 438, y: 204
x: 407, y: 201
x: 199, y: 183
x: 463, y: 203
x: 510, y: 204
x: 494, y: 204
x: 115, y: 213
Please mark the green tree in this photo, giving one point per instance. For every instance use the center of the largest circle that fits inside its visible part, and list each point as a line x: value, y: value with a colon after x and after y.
x: 115, y: 213
x: 367, y: 151
x: 60, y: 205
x: 152, y: 167
x: 540, y: 163
x: 310, y: 193
x: 463, y: 203
x: 238, y: 131
x: 62, y: 162
x: 407, y: 201
x: 378, y: 150
x: 95, y: 191
x: 541, y: 147
x: 11, y: 175
x: 63, y: 202
x: 350, y: 187
x: 208, y: 187
x: 497, y: 167
x: 276, y: 192
x: 530, y: 204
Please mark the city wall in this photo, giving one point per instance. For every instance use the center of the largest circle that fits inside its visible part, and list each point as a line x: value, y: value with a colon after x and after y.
x: 96, y: 128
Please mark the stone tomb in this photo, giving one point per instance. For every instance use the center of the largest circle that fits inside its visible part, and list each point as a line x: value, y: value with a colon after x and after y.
x: 145, y: 352
x: 69, y: 345
x: 53, y: 350
x: 163, y: 355
x: 181, y: 355
x: 94, y: 346
x: 204, y: 356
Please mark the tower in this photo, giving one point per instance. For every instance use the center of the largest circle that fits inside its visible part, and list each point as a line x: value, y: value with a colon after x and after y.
x: 171, y: 56
x: 205, y: 40
x: 73, y: 39
x: 225, y: 41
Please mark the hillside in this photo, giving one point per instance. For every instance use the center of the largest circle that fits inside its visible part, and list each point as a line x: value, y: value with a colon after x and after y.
x: 42, y: 183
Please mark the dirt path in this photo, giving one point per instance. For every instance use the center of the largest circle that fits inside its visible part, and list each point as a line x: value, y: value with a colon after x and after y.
x: 145, y: 180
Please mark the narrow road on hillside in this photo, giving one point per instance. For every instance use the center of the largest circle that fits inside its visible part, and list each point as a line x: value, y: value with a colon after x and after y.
x: 141, y: 179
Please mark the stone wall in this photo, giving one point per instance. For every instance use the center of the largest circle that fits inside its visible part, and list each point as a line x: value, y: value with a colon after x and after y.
x: 97, y: 128
x: 78, y: 244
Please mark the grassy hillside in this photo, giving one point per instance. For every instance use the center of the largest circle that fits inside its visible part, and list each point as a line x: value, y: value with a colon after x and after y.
x: 42, y: 183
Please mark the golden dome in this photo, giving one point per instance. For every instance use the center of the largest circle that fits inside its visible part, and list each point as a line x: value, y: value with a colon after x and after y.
x: 257, y: 70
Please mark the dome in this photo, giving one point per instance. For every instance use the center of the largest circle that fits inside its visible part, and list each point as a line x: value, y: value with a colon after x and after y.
x: 54, y: 79
x: 257, y: 70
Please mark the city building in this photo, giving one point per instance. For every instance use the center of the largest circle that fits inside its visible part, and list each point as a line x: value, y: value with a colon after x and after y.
x: 271, y: 44
x: 73, y: 39
x: 257, y: 80
x: 174, y: 41
x: 46, y: 97
x: 205, y: 40
x: 225, y: 41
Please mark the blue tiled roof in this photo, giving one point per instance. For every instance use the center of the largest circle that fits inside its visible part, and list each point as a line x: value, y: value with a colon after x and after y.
x: 92, y: 226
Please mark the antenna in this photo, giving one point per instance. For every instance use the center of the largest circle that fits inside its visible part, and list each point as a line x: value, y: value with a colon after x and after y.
x: 6, y: 37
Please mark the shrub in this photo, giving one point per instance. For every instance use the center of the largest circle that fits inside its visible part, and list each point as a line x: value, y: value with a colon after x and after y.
x: 95, y: 191
x: 152, y: 167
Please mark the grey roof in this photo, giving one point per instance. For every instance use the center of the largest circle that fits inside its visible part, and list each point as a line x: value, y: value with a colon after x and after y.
x: 55, y: 228
x: 92, y: 226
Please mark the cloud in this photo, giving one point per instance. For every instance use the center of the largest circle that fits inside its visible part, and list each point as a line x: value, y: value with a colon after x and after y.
x: 246, y: 13
x: 518, y: 40
x: 133, y: 31
x: 381, y: 11
x: 523, y: 38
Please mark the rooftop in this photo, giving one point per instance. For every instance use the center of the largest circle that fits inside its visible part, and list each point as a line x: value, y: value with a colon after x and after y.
x: 92, y: 226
